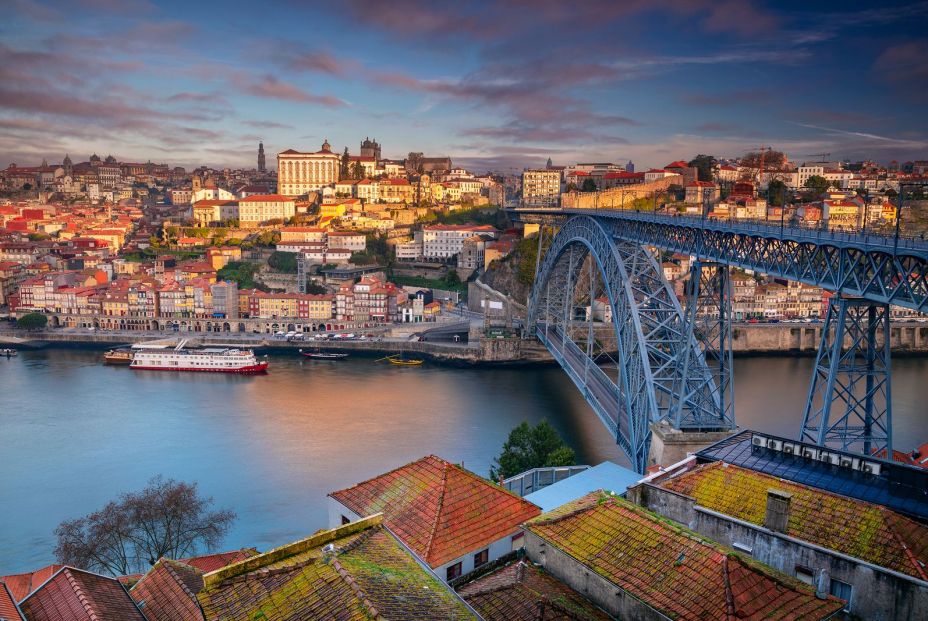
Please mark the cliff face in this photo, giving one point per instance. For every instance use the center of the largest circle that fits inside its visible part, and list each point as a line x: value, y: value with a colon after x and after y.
x: 513, y: 275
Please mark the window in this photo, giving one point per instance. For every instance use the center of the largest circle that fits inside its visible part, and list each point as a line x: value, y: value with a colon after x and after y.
x: 842, y: 590
x: 518, y: 541
x: 804, y: 574
x: 454, y: 571
x: 345, y: 520
x: 481, y: 558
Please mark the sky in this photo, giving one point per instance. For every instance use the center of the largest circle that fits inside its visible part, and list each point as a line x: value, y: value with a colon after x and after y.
x: 496, y: 85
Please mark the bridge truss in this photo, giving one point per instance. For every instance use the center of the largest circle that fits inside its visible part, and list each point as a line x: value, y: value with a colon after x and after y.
x: 611, y: 320
x: 666, y: 362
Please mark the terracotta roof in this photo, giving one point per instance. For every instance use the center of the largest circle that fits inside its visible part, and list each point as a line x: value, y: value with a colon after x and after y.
x: 265, y: 197
x: 74, y: 595
x: 520, y: 591
x: 672, y: 569
x: 168, y: 592
x: 860, y: 529
x: 21, y: 585
x: 8, y: 609
x: 366, y: 574
x: 439, y: 509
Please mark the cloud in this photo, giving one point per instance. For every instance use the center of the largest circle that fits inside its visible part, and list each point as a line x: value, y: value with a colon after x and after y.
x: 267, y: 125
x: 271, y: 87
x: 731, y: 98
x: 321, y: 62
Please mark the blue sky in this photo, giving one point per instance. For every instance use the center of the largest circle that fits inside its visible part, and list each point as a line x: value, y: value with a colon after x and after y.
x: 495, y: 85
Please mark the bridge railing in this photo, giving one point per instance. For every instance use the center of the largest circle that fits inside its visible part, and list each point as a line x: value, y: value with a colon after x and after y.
x: 539, y: 478
x: 796, y: 230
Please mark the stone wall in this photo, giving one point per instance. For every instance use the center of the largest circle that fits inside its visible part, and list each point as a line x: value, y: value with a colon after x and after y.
x: 617, y: 198
x: 582, y: 579
x: 878, y: 593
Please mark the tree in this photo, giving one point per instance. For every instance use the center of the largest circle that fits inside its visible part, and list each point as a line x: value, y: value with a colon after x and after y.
x: 343, y: 165
x: 705, y: 166
x: 452, y: 278
x: 588, y: 185
x: 357, y: 170
x: 315, y: 288
x: 283, y: 261
x: 166, y: 519
x: 816, y: 185
x: 531, y: 447
x: 32, y: 321
x: 773, y: 160
x: 776, y: 193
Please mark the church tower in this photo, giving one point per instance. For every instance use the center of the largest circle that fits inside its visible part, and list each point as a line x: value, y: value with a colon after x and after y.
x: 262, y: 165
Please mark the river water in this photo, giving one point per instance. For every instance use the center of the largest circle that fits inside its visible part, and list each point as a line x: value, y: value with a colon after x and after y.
x: 75, y: 434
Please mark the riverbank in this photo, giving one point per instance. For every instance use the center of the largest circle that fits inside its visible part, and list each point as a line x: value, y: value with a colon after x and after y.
x: 487, y: 351
x: 781, y: 339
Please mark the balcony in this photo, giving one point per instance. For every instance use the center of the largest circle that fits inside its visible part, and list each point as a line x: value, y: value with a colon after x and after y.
x: 539, y: 478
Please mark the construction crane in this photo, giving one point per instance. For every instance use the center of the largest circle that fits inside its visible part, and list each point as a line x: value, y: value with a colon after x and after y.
x: 821, y: 155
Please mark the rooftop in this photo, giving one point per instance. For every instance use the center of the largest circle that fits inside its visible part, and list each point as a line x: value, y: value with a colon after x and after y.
x: 899, y: 487
x: 439, y: 509
x: 607, y: 476
x: 671, y: 569
x: 853, y: 527
x: 522, y: 591
x: 168, y: 592
x: 357, y: 571
x: 77, y: 595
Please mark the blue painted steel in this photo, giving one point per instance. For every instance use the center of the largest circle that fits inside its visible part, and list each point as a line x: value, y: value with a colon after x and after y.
x: 856, y: 264
x: 652, y: 338
x: 661, y: 369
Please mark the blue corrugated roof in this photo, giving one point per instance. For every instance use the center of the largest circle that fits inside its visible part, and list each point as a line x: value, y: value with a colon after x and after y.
x: 607, y: 476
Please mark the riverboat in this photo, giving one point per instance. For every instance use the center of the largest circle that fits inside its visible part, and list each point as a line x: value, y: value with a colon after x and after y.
x: 118, y: 356
x: 205, y: 360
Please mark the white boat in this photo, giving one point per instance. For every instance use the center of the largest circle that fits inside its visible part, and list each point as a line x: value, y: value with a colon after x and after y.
x: 205, y: 360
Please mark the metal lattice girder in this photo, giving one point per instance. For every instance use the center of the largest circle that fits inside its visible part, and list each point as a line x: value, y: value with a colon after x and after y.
x: 869, y: 266
x: 708, y: 313
x: 849, y: 405
x: 652, y: 337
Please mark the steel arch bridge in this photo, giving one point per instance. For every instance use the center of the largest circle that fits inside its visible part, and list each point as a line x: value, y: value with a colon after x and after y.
x: 650, y: 359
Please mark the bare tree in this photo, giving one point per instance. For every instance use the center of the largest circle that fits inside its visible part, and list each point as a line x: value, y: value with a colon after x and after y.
x: 168, y: 518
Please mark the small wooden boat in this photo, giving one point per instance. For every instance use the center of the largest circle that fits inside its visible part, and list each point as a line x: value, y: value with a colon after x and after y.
x: 398, y: 360
x: 9, y: 353
x: 118, y: 356
x: 321, y: 355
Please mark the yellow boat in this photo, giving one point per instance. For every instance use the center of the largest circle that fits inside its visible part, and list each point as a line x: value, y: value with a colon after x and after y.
x: 404, y: 362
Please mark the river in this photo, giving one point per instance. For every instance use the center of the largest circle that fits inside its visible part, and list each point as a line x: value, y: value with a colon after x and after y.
x: 75, y: 434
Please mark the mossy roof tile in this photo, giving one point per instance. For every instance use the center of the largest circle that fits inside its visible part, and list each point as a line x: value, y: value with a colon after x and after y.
x: 520, y: 591
x: 860, y: 529
x: 672, y: 569
x: 368, y: 575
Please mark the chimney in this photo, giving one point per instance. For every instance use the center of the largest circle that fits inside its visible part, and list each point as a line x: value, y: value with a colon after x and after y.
x: 777, y: 518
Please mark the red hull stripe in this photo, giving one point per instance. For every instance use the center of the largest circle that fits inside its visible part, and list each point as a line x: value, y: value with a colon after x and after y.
x: 261, y: 367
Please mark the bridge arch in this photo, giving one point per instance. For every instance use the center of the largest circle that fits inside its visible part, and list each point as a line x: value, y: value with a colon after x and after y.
x: 645, y: 379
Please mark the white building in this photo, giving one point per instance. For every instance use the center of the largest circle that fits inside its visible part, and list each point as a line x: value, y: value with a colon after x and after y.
x: 253, y: 210
x: 443, y: 241
x: 300, y: 173
x: 541, y: 187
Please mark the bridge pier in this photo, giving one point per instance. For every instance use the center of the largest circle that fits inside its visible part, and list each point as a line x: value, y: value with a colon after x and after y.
x: 670, y: 445
x: 849, y: 404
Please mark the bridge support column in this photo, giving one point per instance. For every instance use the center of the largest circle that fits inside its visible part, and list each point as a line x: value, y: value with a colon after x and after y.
x: 849, y: 405
x: 708, y: 318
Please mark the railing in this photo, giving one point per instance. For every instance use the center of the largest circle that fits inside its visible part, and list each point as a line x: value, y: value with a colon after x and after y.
x: 800, y: 231
x: 539, y: 478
